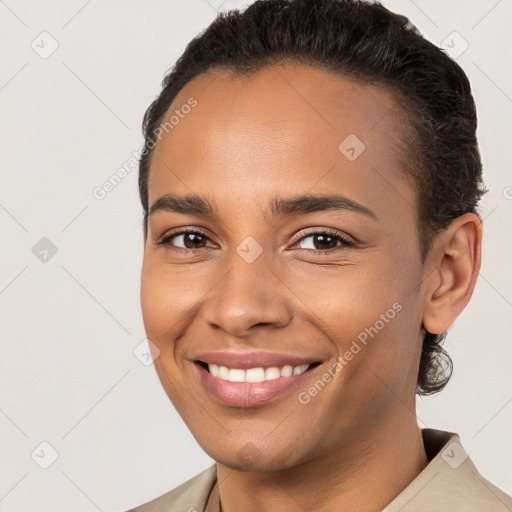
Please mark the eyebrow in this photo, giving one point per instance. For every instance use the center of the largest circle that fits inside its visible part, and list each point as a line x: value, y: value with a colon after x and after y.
x: 279, y: 207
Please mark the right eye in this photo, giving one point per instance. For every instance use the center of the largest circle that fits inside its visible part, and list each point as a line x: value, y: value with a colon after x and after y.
x: 190, y: 239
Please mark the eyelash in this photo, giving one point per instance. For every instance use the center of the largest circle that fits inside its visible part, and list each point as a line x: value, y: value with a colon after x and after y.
x: 345, y: 242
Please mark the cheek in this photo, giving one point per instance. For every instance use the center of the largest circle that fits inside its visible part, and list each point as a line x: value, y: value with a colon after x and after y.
x: 373, y: 316
x: 151, y: 304
x: 392, y: 352
x: 169, y: 299
x: 160, y: 304
x: 355, y: 300
x: 161, y: 312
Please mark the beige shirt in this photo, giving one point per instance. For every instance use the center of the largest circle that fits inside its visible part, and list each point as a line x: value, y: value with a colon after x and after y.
x: 449, y: 483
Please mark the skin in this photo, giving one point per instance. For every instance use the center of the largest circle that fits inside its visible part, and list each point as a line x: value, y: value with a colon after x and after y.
x: 276, y: 134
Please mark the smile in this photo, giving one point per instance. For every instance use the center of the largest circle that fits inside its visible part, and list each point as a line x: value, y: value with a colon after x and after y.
x: 258, y: 374
x: 250, y: 387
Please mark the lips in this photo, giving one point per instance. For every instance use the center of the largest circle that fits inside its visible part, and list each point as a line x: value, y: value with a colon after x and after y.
x: 225, y: 385
x: 246, y: 360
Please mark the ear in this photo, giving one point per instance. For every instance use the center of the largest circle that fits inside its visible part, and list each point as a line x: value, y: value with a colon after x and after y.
x: 452, y: 265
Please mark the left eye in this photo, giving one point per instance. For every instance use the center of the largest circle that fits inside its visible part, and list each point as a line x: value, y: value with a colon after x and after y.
x: 325, y: 240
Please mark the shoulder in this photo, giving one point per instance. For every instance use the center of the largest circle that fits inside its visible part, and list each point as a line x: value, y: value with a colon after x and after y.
x: 191, y: 496
x: 450, y: 482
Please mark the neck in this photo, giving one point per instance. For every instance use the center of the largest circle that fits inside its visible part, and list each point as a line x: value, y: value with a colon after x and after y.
x: 365, y: 474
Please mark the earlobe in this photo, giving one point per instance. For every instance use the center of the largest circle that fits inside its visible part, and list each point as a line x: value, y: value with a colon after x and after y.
x: 453, y: 269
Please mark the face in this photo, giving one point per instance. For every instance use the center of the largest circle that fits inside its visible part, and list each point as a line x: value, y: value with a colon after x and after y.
x: 247, y: 276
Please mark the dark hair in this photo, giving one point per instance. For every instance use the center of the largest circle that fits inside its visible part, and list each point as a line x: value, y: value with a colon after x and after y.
x: 368, y: 43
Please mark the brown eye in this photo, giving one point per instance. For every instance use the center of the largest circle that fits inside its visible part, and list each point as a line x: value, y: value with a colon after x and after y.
x: 185, y: 240
x: 324, y: 241
x: 321, y: 241
x: 193, y: 240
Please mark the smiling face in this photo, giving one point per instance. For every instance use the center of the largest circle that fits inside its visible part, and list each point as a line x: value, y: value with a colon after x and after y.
x: 263, y: 271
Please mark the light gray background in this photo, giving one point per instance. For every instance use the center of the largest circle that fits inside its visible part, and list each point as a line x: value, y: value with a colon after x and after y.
x: 69, y: 326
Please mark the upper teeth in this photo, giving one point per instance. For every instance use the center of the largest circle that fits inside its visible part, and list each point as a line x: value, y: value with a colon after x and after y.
x: 255, y: 374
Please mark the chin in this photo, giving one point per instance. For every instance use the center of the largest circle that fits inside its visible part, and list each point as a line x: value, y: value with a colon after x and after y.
x: 252, y: 467
x: 250, y: 458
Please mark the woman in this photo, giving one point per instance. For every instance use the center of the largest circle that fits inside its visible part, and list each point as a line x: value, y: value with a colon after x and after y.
x: 310, y: 183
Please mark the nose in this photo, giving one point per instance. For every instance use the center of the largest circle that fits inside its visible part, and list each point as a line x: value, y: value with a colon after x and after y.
x: 250, y: 295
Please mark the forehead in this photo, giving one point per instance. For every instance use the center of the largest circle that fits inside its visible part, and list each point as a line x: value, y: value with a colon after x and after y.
x: 286, y: 125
